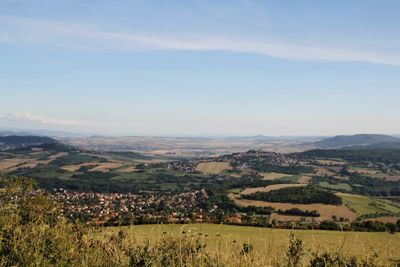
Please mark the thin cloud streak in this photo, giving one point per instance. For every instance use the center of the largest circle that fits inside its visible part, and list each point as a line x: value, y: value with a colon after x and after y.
x: 23, y: 117
x: 91, y: 38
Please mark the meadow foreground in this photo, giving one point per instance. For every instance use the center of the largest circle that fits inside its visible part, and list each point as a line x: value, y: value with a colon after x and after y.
x: 268, y: 246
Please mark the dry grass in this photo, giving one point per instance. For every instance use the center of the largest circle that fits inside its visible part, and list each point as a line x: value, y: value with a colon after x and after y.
x: 326, y: 211
x: 268, y: 188
x: 274, y: 175
x: 213, y: 167
x: 270, y: 245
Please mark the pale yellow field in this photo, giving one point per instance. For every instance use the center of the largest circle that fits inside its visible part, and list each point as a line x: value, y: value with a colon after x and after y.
x: 268, y: 188
x: 9, y: 163
x: 213, y: 167
x: 26, y: 162
x: 106, y: 167
x: 326, y: 211
x: 274, y: 175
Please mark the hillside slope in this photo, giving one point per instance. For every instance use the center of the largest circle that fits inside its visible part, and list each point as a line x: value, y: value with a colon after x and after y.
x: 355, y: 140
x: 16, y: 141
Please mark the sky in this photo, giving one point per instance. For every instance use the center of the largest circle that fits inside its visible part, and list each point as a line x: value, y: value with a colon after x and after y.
x: 181, y: 68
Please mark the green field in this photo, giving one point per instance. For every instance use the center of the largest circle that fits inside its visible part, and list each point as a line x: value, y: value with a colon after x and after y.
x: 339, y: 186
x: 269, y: 245
x: 364, y: 205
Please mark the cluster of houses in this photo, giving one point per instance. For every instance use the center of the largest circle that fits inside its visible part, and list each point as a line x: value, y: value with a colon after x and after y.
x: 103, y: 208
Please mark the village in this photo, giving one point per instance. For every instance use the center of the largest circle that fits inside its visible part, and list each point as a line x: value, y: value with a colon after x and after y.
x: 120, y: 208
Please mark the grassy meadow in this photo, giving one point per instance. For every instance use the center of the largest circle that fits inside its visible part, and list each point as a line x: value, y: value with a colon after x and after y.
x: 270, y: 245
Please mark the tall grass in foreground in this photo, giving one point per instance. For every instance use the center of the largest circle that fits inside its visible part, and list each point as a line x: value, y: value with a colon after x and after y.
x: 33, y: 233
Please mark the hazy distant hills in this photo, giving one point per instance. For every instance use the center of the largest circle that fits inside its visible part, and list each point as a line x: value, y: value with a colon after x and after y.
x: 360, y: 141
x: 17, y: 141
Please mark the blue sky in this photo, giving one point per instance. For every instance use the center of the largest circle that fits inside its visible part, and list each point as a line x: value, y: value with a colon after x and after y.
x: 201, y: 67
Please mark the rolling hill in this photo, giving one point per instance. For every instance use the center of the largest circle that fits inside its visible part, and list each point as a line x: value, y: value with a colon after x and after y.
x: 15, y: 141
x: 359, y: 140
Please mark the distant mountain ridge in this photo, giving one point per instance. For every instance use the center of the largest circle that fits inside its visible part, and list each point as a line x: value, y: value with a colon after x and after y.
x: 359, y: 141
x: 17, y: 141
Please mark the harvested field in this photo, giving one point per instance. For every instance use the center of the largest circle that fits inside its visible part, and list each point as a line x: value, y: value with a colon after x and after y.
x: 9, y: 163
x: 75, y: 167
x: 304, y: 179
x: 58, y: 155
x: 326, y: 211
x: 213, y: 167
x: 252, y: 190
x: 106, y: 167
x: 274, y: 175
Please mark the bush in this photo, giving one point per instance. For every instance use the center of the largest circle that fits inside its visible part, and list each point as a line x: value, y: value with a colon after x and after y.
x: 295, y: 251
x: 329, y: 259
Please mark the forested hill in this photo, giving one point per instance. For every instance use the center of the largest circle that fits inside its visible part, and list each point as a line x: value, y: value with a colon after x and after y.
x: 355, y: 140
x: 16, y: 141
x: 387, y: 156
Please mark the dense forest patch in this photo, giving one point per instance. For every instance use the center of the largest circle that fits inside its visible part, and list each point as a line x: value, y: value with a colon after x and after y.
x: 301, y: 195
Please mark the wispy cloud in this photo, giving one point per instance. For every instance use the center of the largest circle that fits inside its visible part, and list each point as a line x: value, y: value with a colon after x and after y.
x: 91, y: 37
x: 28, y: 117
